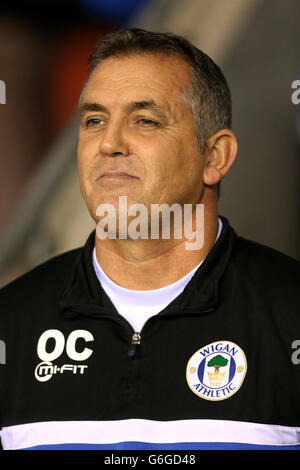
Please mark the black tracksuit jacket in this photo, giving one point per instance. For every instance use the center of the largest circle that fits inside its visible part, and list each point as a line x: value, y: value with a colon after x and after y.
x: 75, y: 375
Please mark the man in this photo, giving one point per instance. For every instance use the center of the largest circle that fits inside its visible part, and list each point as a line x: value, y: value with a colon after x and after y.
x: 151, y: 341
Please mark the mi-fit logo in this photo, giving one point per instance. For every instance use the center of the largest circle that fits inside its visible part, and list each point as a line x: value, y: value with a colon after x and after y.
x: 45, y: 370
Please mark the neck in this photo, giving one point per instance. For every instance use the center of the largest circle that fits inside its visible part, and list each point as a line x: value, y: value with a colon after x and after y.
x: 146, y: 264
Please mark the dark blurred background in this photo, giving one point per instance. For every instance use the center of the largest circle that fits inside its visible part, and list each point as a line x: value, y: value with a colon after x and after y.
x: 44, y: 47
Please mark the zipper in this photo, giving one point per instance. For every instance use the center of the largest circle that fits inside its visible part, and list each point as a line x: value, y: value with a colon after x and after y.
x: 135, y: 337
x: 135, y: 340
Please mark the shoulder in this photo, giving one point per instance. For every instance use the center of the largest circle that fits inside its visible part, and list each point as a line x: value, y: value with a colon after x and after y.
x: 264, y: 256
x: 266, y: 266
x: 50, y: 276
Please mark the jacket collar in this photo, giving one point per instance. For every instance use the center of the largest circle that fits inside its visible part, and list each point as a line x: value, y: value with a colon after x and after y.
x: 85, y: 296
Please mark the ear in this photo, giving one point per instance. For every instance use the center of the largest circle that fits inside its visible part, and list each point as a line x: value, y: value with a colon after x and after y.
x: 221, y: 149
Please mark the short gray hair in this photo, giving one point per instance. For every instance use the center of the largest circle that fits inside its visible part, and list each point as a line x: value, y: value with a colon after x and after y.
x: 208, y: 94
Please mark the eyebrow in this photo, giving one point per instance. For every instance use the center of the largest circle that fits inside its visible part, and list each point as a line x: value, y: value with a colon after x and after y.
x: 85, y: 107
x: 129, y: 107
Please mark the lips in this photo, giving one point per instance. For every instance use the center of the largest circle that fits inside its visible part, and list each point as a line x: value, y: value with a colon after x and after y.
x: 116, y: 174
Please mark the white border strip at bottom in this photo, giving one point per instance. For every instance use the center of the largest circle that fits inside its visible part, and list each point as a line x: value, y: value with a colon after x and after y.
x: 143, y: 430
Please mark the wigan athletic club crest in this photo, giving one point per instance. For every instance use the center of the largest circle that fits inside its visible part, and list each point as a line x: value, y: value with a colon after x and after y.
x: 216, y: 371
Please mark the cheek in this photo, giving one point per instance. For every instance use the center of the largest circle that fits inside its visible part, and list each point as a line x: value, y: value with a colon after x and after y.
x: 86, y: 150
x: 158, y: 165
x: 164, y: 170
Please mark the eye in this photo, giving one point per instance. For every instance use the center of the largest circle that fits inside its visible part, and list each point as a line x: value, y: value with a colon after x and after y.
x: 92, y: 122
x: 147, y: 122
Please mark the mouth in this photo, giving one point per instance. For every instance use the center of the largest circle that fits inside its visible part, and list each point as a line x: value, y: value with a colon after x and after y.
x: 117, y: 174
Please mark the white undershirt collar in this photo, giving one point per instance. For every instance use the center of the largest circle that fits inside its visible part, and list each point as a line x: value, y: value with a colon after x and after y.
x: 138, y: 305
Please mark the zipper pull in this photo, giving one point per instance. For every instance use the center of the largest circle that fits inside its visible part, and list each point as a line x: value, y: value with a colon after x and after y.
x: 136, y: 339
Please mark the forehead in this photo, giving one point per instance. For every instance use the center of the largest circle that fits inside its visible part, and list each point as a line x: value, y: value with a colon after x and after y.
x: 139, y: 76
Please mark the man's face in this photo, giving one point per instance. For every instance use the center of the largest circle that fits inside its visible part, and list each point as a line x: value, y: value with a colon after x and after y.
x: 134, y: 121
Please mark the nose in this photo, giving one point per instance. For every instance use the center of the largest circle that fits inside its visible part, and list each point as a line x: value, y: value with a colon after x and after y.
x: 113, y: 140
